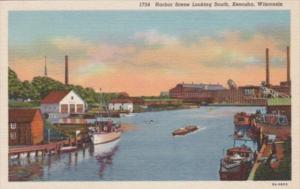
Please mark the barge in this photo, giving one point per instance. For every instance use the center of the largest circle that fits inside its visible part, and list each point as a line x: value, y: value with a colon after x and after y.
x: 185, y: 130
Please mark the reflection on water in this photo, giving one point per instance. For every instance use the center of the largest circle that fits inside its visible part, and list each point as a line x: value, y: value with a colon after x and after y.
x: 104, y: 155
x: 148, y: 152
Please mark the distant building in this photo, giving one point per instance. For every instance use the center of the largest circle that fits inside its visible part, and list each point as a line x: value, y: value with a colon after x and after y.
x: 137, y: 100
x: 121, y: 105
x: 58, y: 104
x: 162, y: 101
x: 26, y: 126
x: 164, y: 94
x: 216, y: 93
x: 194, y: 91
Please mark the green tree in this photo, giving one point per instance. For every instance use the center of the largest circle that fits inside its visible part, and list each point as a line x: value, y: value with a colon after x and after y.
x: 44, y: 85
x: 14, y: 85
x: 29, y: 91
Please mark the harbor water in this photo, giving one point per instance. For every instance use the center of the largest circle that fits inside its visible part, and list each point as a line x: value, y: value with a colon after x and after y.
x: 147, y: 153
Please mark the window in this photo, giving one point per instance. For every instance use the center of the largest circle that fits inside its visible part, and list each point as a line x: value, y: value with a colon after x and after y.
x: 249, y: 92
x: 72, y: 108
x: 13, y: 135
x: 13, y: 125
x: 72, y: 97
x: 64, y: 108
x: 79, y: 108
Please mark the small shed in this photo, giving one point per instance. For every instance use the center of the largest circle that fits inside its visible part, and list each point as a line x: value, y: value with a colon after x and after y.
x: 26, y: 126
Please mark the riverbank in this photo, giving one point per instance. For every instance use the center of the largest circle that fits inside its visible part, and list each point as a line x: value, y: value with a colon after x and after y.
x: 237, y: 105
x: 274, y: 158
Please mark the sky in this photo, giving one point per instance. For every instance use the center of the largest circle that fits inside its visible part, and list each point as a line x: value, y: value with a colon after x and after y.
x: 146, y: 52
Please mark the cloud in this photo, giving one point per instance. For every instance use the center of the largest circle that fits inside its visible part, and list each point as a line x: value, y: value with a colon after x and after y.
x: 153, y: 61
x: 154, y: 38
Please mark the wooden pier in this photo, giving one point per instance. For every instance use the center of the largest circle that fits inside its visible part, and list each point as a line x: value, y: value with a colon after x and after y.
x: 44, y: 149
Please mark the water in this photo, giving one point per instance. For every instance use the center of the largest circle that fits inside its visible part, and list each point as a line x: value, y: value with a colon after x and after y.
x: 150, y: 152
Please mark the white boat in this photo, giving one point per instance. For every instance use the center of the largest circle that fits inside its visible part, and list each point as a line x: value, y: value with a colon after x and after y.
x: 105, y: 131
x: 105, y: 137
x: 105, y: 149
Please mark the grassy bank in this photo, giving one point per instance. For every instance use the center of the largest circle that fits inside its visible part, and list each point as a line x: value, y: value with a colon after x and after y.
x: 282, y: 172
x: 19, y: 104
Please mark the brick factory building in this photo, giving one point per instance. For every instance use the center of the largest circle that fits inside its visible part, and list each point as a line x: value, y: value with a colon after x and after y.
x: 195, y: 92
x: 215, y: 93
x: 249, y: 94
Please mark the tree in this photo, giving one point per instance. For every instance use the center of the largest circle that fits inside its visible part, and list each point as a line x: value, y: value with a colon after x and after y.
x: 14, y: 85
x: 44, y: 85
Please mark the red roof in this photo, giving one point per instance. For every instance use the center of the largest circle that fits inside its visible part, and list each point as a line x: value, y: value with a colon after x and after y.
x: 18, y: 115
x: 54, y: 97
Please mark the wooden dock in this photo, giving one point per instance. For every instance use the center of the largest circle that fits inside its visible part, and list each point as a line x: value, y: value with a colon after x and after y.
x: 44, y: 148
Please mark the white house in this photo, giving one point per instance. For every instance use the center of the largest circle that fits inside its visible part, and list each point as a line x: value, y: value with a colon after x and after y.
x: 59, y: 104
x: 125, y: 105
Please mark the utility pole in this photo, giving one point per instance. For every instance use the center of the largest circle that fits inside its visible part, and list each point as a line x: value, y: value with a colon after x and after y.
x: 49, y: 135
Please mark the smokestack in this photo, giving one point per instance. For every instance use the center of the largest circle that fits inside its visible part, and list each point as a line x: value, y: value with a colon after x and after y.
x: 66, y: 71
x: 288, y: 64
x: 267, y: 68
x: 45, y: 69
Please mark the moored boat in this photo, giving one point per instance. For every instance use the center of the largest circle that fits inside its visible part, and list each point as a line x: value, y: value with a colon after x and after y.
x: 242, y: 119
x: 236, y: 164
x: 185, y: 130
x: 106, y: 132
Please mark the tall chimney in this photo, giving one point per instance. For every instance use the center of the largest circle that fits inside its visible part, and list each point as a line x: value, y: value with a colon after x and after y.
x: 66, y: 71
x: 45, y: 68
x: 267, y: 68
x: 288, y: 64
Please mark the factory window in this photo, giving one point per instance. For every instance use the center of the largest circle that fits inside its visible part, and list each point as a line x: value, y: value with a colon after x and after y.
x: 249, y: 92
x: 13, y: 135
x: 13, y: 125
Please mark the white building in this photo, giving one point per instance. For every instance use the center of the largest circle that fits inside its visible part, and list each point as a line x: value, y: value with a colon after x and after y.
x: 122, y: 105
x: 59, y: 104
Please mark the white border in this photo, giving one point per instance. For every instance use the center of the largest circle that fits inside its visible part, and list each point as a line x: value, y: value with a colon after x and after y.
x: 5, y: 7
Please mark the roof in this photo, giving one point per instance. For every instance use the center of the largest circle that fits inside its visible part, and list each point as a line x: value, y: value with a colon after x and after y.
x: 204, y: 86
x: 249, y: 87
x: 279, y: 102
x: 120, y: 100
x: 22, y: 114
x: 54, y: 97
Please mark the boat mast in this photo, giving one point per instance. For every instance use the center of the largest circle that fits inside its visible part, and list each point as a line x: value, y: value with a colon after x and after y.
x: 104, y: 103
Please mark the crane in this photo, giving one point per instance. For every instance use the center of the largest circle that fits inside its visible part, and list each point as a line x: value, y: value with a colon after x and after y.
x: 271, y: 93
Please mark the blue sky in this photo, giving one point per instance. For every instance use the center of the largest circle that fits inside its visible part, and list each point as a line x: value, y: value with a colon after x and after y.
x: 26, y: 27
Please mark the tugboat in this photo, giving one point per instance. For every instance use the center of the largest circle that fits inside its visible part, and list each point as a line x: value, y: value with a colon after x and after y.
x: 242, y: 119
x: 185, y: 130
x: 236, y: 164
